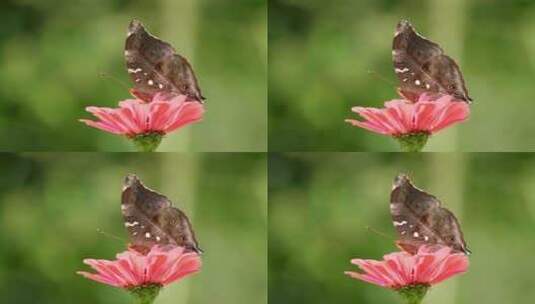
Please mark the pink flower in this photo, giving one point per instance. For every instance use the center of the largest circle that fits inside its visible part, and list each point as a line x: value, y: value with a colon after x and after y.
x: 429, y: 266
x: 134, y: 117
x: 428, y: 115
x: 161, y: 266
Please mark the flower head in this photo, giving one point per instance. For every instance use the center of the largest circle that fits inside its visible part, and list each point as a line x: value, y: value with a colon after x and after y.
x: 160, y: 266
x: 429, y: 266
x: 400, y: 117
x: 147, y: 122
x: 135, y: 117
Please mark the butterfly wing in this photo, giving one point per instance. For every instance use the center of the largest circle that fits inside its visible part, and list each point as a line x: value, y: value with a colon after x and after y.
x: 419, y: 219
x: 154, y: 66
x: 181, y: 74
x: 446, y: 225
x: 422, y: 67
x: 411, y: 209
x: 151, y: 219
x: 180, y: 229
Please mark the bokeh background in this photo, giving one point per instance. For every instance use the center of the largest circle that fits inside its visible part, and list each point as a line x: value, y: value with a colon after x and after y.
x: 57, y: 57
x: 321, y: 204
x: 325, y: 59
x: 51, y: 206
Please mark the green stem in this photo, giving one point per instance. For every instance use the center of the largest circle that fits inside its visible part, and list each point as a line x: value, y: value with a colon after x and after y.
x: 414, y: 142
x: 148, y: 142
x: 145, y: 294
x: 413, y: 294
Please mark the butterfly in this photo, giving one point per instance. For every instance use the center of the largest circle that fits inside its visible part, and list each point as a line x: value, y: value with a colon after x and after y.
x: 151, y: 219
x: 422, y: 67
x: 420, y: 220
x: 155, y: 67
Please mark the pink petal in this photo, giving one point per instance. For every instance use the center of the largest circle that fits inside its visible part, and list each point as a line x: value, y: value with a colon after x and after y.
x: 102, y: 126
x: 371, y: 268
x: 160, y: 114
x: 186, y: 265
x: 454, y: 265
x: 371, y: 116
x: 368, y: 125
x: 457, y: 113
x: 403, y: 265
x: 367, y: 278
x: 105, y: 117
x: 108, y: 269
x: 191, y: 112
x: 99, y: 278
x: 424, y: 115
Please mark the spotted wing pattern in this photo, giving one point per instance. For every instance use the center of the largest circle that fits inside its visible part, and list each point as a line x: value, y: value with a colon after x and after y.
x: 155, y: 67
x: 150, y: 219
x: 422, y: 67
x: 419, y: 219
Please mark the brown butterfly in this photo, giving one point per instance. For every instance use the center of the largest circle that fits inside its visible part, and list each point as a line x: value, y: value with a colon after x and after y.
x: 155, y: 67
x: 420, y: 220
x: 422, y: 66
x: 150, y: 219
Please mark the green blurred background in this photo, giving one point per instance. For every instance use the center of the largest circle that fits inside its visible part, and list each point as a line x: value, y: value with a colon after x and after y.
x: 51, y: 206
x: 326, y: 58
x: 52, y: 55
x: 320, y: 205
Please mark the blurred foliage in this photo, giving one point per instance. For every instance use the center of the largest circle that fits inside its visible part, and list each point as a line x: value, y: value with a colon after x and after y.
x: 51, y: 206
x: 53, y: 55
x: 325, y: 59
x: 321, y: 203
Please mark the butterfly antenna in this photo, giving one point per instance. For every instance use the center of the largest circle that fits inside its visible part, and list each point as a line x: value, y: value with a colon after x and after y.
x: 111, y: 235
x: 370, y: 229
x: 381, y: 77
x: 105, y: 75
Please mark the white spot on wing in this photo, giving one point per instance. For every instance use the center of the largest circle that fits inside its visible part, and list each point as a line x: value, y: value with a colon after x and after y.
x: 160, y: 86
x: 147, y: 235
x: 400, y: 223
x: 404, y: 70
x: 416, y: 234
x: 158, y: 238
x: 133, y: 224
x: 133, y: 71
x: 426, y: 238
x: 417, y: 82
x: 150, y: 82
x: 427, y: 86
